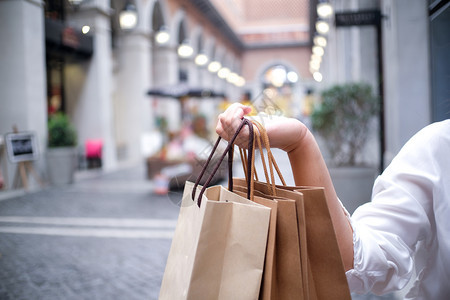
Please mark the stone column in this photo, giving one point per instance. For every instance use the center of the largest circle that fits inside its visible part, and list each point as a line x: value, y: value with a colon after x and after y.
x: 165, y: 73
x: 208, y: 106
x: 89, y: 84
x: 132, y: 106
x: 406, y: 72
x: 22, y: 73
x: 193, y: 72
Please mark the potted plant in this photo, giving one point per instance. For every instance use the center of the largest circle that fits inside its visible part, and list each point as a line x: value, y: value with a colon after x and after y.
x: 61, y: 152
x: 344, y: 120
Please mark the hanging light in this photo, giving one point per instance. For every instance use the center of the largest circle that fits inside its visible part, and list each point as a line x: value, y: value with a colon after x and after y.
x: 223, y: 73
x: 214, y: 66
x: 314, y: 65
x: 292, y: 76
x: 317, y: 76
x: 232, y: 78
x: 316, y: 57
x: 162, y: 36
x: 320, y: 41
x: 128, y: 16
x: 317, y: 50
x: 278, y: 76
x: 201, y: 59
x: 185, y: 50
x: 322, y: 27
x: 240, y: 81
x: 85, y: 29
x: 324, y: 10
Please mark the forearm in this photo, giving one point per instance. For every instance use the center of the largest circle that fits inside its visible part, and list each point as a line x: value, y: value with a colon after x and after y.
x: 308, y: 165
x: 309, y: 169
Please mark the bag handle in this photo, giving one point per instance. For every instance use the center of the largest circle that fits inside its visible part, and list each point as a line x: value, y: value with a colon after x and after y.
x: 270, y: 157
x: 249, y: 171
x: 262, y: 138
x: 229, y: 151
x: 253, y: 172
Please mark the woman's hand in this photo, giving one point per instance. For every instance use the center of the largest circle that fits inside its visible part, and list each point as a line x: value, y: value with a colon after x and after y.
x: 284, y: 133
x: 229, y: 122
x: 307, y: 163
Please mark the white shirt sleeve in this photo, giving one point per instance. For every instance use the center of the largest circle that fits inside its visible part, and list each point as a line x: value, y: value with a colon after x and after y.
x: 387, y: 230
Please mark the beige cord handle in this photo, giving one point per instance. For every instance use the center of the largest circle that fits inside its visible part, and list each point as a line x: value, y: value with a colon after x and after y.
x: 270, y: 156
x: 261, y: 138
x: 252, y: 173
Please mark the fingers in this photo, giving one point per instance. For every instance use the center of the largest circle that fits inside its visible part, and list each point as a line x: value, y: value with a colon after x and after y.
x: 283, y: 133
x: 229, y: 122
x: 230, y: 119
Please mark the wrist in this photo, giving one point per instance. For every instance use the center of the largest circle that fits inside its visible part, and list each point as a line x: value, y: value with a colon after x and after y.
x: 289, y: 136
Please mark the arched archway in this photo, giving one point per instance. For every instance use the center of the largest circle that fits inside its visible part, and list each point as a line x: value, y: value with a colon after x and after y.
x: 158, y: 20
x: 279, y: 83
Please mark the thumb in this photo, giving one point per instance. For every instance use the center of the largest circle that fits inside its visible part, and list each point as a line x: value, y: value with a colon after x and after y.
x: 247, y: 109
x: 238, y: 111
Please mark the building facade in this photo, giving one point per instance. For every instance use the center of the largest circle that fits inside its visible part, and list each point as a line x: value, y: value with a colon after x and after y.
x: 77, y: 58
x: 402, y: 57
x: 74, y: 56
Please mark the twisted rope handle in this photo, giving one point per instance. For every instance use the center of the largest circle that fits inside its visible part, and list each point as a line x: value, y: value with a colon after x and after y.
x: 262, y: 139
x: 270, y: 157
x: 229, y: 151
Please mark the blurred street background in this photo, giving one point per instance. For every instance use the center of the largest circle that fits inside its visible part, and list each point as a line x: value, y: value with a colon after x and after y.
x: 108, y: 106
x: 105, y: 236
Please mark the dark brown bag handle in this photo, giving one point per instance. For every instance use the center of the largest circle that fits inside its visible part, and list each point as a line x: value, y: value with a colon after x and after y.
x: 229, y: 151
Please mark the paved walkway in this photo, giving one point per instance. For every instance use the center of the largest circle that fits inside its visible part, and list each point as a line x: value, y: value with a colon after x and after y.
x: 107, y: 236
x: 104, y: 237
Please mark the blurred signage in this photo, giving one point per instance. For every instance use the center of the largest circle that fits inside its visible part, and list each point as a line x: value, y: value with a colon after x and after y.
x: 21, y: 146
x: 61, y: 39
x: 70, y: 38
x: 358, y: 18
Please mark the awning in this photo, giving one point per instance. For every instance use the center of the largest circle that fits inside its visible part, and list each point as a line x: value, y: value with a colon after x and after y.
x: 180, y: 91
x: 64, y: 40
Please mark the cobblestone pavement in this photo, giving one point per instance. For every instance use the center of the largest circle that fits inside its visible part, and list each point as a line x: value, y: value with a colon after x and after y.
x: 106, y: 237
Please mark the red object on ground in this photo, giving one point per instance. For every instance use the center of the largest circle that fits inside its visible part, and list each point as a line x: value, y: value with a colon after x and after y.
x: 94, y: 148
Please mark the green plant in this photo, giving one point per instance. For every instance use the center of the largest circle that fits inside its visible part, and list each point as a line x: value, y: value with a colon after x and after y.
x: 61, y: 133
x: 343, y: 120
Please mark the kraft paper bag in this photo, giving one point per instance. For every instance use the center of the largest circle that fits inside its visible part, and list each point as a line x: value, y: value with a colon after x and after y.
x: 286, y: 269
x: 218, y: 249
x: 268, y: 285
x: 322, y: 268
x: 324, y: 256
x: 290, y: 281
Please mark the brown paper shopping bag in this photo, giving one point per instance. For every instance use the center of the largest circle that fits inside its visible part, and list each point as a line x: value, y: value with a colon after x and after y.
x: 268, y: 284
x: 328, y: 273
x: 219, y: 244
x: 322, y: 268
x: 282, y: 277
x: 289, y: 280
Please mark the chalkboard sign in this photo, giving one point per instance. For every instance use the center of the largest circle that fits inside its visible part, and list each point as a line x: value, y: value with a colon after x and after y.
x: 21, y: 146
